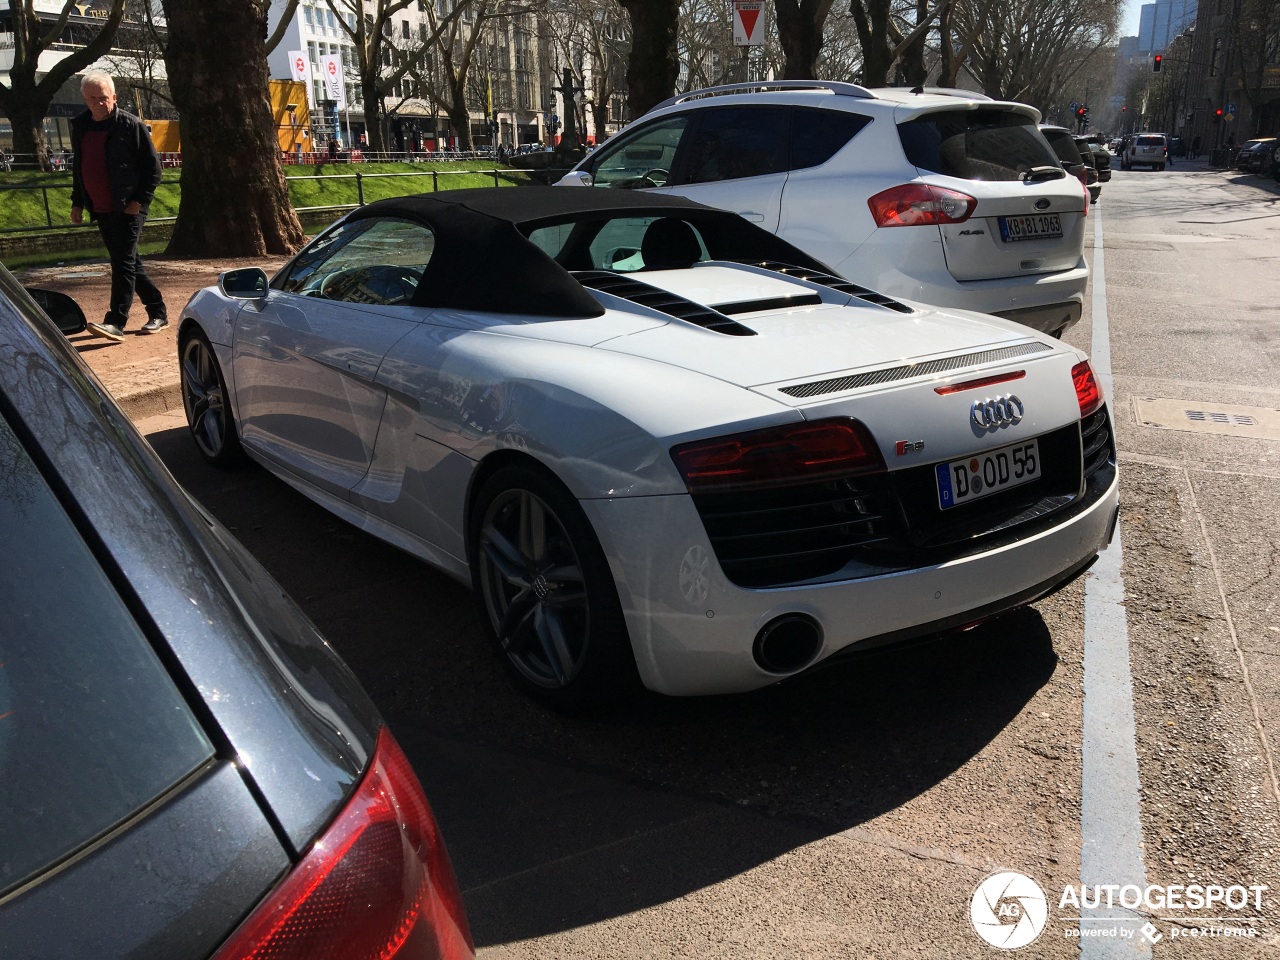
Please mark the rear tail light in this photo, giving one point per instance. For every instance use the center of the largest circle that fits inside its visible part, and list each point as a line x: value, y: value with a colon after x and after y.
x: 776, y: 456
x: 377, y: 884
x: 1088, y: 392
x: 918, y: 204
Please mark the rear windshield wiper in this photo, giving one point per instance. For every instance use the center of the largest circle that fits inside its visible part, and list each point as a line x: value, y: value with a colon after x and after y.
x: 1040, y: 174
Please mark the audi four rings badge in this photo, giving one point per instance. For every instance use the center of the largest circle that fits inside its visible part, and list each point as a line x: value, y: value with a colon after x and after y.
x: 991, y: 414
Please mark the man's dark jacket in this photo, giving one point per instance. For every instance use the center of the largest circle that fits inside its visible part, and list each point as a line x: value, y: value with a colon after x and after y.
x: 133, y: 166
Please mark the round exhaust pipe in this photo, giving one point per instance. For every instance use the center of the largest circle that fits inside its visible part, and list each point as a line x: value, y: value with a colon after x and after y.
x: 787, y: 643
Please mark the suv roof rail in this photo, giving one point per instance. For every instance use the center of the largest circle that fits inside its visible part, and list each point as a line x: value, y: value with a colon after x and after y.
x: 766, y: 86
x: 941, y: 92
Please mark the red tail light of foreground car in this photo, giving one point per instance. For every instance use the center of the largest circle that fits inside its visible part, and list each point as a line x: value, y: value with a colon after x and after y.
x: 918, y: 204
x: 377, y: 883
x: 774, y: 456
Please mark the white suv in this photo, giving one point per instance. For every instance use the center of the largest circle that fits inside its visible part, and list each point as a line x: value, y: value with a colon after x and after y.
x: 1146, y: 150
x: 940, y: 196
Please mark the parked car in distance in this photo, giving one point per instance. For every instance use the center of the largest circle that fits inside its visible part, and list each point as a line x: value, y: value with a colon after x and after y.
x: 659, y: 442
x: 1255, y: 155
x: 915, y: 193
x: 1076, y: 159
x: 1101, y: 157
x: 1145, y: 150
x: 189, y: 769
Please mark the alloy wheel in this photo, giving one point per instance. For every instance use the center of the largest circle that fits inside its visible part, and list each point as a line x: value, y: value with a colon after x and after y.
x: 534, y: 589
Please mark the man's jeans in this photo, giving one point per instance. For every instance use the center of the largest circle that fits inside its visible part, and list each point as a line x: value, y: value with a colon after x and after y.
x: 120, y: 233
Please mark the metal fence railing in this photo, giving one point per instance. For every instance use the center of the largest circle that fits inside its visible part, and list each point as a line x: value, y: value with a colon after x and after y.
x: 439, y: 181
x: 61, y: 159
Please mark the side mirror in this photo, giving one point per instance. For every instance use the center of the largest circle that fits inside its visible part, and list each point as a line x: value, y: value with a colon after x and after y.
x: 576, y: 178
x: 60, y: 308
x: 249, y: 283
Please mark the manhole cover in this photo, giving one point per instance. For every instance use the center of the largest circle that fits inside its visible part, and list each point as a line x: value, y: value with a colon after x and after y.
x: 1232, y: 420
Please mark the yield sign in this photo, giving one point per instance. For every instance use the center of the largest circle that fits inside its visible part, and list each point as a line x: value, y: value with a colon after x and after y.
x: 748, y: 24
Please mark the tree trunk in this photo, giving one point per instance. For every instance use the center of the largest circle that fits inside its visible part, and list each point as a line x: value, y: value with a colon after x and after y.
x: 459, y: 116
x: 26, y: 117
x: 373, y: 120
x: 871, y: 17
x: 800, y: 25
x: 946, y: 52
x: 914, y: 72
x: 235, y: 202
x: 25, y: 101
x: 654, y: 66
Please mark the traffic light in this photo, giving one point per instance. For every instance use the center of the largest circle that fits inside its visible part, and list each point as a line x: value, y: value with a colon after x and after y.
x: 1124, y: 109
x: 1217, y: 115
x: 1156, y: 63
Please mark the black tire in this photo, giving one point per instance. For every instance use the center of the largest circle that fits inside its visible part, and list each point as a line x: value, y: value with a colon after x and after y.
x: 545, y: 592
x: 204, y: 397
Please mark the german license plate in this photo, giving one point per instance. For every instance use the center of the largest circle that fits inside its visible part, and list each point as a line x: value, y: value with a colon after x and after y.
x: 1039, y: 226
x: 983, y: 474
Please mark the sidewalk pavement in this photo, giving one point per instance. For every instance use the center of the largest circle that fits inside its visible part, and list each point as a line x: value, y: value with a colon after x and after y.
x: 141, y: 372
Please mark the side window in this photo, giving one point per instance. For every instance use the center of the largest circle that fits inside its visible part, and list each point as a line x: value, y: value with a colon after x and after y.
x: 366, y: 261
x: 735, y: 142
x: 642, y: 160
x: 817, y: 135
x: 626, y: 244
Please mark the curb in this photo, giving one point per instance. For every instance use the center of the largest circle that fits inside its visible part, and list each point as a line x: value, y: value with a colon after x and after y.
x: 151, y: 401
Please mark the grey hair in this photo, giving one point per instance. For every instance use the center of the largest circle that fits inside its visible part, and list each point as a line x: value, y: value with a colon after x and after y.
x: 99, y: 78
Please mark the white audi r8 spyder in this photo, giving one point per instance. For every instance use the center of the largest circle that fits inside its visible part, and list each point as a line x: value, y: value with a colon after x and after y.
x: 658, y: 442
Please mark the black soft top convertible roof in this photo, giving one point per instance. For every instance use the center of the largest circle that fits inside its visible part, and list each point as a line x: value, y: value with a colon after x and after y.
x: 484, y: 261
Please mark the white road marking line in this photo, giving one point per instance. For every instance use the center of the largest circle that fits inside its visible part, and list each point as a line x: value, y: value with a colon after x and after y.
x: 1110, y: 822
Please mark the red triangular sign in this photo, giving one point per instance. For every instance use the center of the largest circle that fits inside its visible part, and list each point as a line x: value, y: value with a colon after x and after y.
x: 749, y: 18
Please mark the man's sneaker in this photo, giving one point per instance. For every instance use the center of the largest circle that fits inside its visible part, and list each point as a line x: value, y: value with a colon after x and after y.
x: 155, y: 324
x: 108, y: 331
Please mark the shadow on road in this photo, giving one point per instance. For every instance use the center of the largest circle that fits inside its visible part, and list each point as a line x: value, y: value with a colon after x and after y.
x: 556, y: 822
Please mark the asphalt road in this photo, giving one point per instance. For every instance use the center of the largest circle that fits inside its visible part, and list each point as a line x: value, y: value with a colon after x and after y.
x: 853, y: 812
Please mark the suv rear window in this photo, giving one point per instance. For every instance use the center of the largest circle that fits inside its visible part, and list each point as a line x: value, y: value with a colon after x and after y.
x: 975, y: 144
x: 1151, y: 141
x: 1064, y: 145
x: 92, y: 728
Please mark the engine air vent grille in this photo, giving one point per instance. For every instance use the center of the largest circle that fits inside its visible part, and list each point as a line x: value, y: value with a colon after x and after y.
x: 930, y: 367
x: 829, y: 280
x: 655, y: 298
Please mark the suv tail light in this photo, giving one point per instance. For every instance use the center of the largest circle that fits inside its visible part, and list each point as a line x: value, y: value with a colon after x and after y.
x: 776, y: 456
x: 1088, y: 392
x: 918, y: 204
x: 376, y: 884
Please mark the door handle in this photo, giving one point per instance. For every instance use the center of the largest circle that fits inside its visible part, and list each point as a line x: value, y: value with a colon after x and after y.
x: 752, y: 216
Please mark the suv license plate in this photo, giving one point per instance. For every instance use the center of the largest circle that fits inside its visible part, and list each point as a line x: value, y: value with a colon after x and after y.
x: 1041, y: 226
x: 986, y: 473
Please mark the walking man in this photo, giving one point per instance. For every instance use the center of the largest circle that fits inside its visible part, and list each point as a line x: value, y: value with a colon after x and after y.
x: 115, y: 171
